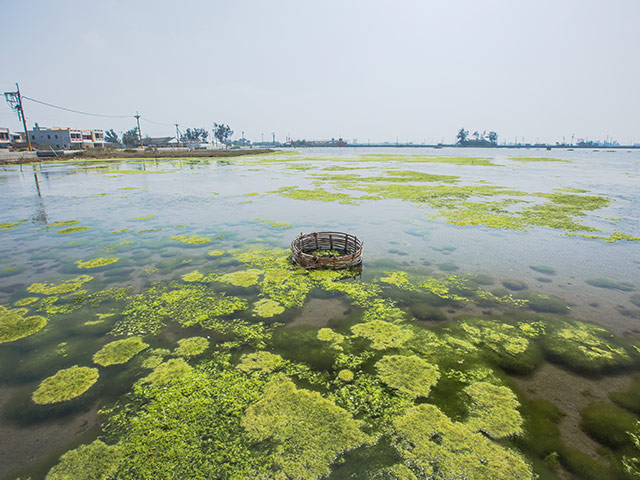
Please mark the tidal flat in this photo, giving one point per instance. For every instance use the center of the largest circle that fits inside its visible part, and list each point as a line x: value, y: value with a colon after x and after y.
x: 152, y: 324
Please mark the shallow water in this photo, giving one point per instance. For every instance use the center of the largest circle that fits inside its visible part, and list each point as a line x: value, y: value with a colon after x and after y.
x: 133, y: 209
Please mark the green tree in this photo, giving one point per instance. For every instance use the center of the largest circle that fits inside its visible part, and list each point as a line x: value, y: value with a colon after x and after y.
x: 130, y: 138
x: 222, y: 133
x: 111, y: 136
x: 493, y: 137
x: 462, y: 136
x: 195, y: 135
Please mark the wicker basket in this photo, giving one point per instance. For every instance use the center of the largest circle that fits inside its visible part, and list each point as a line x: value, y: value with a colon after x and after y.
x: 304, y: 246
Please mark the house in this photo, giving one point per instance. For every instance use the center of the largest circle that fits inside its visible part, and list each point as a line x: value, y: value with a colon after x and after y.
x: 66, y: 138
x: 160, y: 142
x: 5, y: 138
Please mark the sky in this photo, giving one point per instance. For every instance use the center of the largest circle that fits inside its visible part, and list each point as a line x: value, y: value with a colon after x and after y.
x: 370, y: 70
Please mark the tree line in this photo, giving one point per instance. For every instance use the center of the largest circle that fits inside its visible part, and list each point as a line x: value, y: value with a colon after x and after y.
x: 484, y: 138
x: 131, y: 138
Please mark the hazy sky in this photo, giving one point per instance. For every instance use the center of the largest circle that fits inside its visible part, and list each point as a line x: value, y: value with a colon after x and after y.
x: 416, y: 70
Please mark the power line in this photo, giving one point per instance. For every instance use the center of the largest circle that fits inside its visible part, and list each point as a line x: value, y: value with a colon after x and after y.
x: 157, y: 123
x: 75, y: 111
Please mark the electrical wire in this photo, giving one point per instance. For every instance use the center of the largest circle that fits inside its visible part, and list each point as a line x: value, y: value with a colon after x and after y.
x: 75, y: 111
x: 157, y: 123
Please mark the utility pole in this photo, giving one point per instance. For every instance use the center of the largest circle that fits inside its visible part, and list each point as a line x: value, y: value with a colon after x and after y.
x: 177, y: 133
x: 273, y: 135
x: 14, y: 99
x: 137, y: 115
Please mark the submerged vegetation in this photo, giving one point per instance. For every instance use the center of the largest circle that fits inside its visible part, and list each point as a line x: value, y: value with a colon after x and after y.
x: 232, y: 362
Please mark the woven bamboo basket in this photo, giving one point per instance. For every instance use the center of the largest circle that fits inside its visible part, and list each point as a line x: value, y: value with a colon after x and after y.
x: 305, y: 247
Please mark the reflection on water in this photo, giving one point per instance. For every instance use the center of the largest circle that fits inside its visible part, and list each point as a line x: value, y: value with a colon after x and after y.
x: 170, y: 231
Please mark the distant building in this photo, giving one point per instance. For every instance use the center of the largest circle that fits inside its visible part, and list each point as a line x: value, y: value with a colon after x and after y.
x: 66, y: 138
x: 5, y: 138
x: 160, y: 142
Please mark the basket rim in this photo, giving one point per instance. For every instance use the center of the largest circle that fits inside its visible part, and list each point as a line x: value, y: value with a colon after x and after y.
x: 298, y: 251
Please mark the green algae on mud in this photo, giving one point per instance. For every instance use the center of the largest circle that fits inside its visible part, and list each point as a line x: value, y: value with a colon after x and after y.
x: 65, y: 385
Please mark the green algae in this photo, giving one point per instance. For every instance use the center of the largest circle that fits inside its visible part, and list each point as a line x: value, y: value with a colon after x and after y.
x: 96, y: 262
x: 190, y: 427
x: 454, y: 160
x: 318, y: 195
x: 122, y: 230
x: 65, y: 385
x: 194, y: 276
x: 260, y: 362
x: 493, y: 410
x: 610, y: 284
x: 191, y: 347
x: 631, y: 465
x: 65, y: 231
x: 545, y: 269
x: 267, y: 308
x: 345, y: 375
x: 96, y: 461
x: 334, y: 339
x: 408, y: 374
x: 26, y: 301
x: 441, y: 448
x: 243, y: 278
x: 383, y: 335
x: 15, y: 325
x: 64, y: 223
x: 216, y: 253
x: 188, y: 304
x: 385, y: 310
x: 614, y: 237
x: 583, y: 347
x: 66, y: 286
x: 398, y: 279
x: 168, y: 371
x: 274, y: 224
x: 119, y: 351
x: 6, y: 226
x: 635, y: 299
x: 540, y: 159
x: 514, y: 285
x: 294, y: 424
x: 144, y: 218
x: 191, y: 239
x: 607, y: 423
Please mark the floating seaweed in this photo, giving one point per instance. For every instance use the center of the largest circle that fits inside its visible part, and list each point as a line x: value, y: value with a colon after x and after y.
x: 65, y: 385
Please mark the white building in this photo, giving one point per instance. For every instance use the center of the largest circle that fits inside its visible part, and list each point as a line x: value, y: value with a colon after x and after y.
x: 66, y: 138
x: 5, y: 138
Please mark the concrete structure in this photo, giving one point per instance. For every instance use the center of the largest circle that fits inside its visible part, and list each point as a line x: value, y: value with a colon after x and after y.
x: 5, y: 138
x: 66, y: 138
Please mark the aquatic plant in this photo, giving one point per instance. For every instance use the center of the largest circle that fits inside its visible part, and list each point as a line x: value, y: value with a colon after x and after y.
x: 191, y: 239
x: 383, y: 335
x: 441, y: 448
x: 583, y: 347
x: 514, y: 285
x: 493, y: 410
x: 399, y: 279
x: 96, y: 461
x: 119, y: 351
x: 96, y: 262
x: 294, y: 424
x: 345, y: 375
x: 168, y: 371
x: 14, y: 325
x: 192, y: 346
x: 121, y: 230
x: 188, y: 304
x: 543, y: 269
x: 607, y: 423
x: 635, y: 299
x: 386, y: 310
x: 157, y: 442
x: 331, y: 337
x: 194, y: 276
x: 26, y: 301
x: 630, y: 398
x: 65, y: 385
x: 243, y: 278
x: 144, y: 217
x: 541, y: 303
x: 65, y: 231
x: 631, y: 465
x: 610, y: 284
x: 318, y: 195
x: 441, y: 289
x: 505, y: 344
x: 274, y: 224
x: 64, y: 223
x: 216, y: 253
x: 66, y: 286
x: 260, y: 362
x: 267, y: 308
x: 410, y: 375
x: 6, y: 226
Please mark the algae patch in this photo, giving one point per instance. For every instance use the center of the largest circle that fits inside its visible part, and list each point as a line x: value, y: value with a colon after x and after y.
x: 65, y: 385
x: 96, y: 262
x: 119, y: 351
x: 14, y: 325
